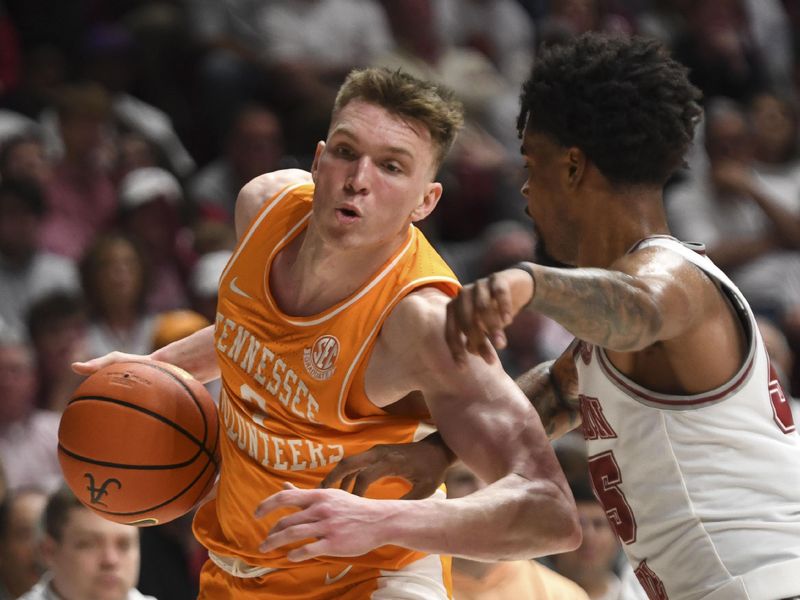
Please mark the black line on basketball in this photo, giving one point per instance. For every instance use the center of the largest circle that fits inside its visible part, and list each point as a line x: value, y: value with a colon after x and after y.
x: 105, y: 463
x: 150, y: 413
x: 157, y: 506
x: 188, y: 391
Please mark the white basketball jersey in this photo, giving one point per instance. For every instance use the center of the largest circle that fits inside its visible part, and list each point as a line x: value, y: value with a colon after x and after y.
x: 702, y: 490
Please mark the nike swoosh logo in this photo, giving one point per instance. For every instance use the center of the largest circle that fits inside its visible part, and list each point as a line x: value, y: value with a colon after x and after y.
x: 237, y: 290
x: 329, y: 580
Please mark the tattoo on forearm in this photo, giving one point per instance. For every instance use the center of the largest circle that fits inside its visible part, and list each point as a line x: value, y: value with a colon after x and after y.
x: 538, y: 387
x: 597, y: 306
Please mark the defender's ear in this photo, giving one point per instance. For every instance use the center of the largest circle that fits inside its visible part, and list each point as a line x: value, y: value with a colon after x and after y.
x: 576, y: 167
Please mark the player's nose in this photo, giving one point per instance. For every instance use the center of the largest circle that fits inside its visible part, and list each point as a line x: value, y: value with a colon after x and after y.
x: 358, y: 176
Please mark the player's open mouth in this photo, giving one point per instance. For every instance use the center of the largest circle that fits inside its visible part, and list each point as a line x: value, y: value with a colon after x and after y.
x: 347, y: 215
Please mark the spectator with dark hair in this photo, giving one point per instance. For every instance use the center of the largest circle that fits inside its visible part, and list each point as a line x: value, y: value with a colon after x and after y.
x: 719, y: 48
x: 28, y: 436
x: 81, y: 196
x: 57, y: 327
x: 87, y: 557
x: 254, y: 145
x: 115, y: 276
x: 150, y: 202
x: 747, y: 215
x: 23, y: 158
x: 109, y: 59
x: 20, y: 518
x: 26, y: 272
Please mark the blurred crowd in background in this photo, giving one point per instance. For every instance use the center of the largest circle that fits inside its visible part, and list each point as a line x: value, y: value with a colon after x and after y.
x: 128, y: 127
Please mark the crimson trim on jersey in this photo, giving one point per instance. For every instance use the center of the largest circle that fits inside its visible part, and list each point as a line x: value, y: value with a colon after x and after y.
x: 670, y: 401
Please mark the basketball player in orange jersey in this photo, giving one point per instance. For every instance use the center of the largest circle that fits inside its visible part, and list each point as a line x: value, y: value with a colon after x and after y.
x: 692, y: 449
x: 328, y: 341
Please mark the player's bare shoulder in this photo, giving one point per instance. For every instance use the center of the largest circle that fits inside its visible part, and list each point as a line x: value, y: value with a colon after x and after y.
x: 415, y: 327
x: 257, y: 191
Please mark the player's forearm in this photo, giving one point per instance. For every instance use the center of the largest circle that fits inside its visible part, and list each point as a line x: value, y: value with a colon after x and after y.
x: 598, y: 306
x: 785, y: 222
x: 514, y: 518
x: 194, y: 353
x: 729, y: 254
x: 558, y: 414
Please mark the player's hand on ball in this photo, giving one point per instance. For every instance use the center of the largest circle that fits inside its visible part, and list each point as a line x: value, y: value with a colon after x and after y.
x: 477, y: 316
x: 423, y: 464
x: 333, y: 522
x: 94, y: 365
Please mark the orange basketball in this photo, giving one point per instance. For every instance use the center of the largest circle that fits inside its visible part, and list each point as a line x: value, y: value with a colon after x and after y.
x: 138, y: 442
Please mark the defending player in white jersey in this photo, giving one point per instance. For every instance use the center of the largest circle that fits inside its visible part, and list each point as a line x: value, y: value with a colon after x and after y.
x: 692, y: 448
x: 693, y: 452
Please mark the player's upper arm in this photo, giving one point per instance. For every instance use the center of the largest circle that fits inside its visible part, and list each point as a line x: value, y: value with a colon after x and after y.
x: 678, y: 292
x: 257, y: 191
x: 481, y: 413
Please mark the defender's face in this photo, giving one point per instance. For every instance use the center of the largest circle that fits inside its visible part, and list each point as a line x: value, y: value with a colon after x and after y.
x: 95, y: 558
x: 548, y: 203
x: 373, y: 177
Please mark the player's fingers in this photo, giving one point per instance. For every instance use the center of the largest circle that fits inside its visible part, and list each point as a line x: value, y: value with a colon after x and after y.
x: 290, y: 496
x: 367, y: 477
x: 347, y: 482
x: 485, y: 350
x: 501, y: 294
x: 91, y: 366
x: 348, y: 465
x: 311, y: 550
x: 420, y: 489
x: 453, y: 335
x: 288, y: 536
x: 298, y: 518
x: 468, y: 319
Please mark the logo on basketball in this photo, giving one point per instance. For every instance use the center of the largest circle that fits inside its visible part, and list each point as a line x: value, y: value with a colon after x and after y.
x: 96, y: 493
x: 320, y: 359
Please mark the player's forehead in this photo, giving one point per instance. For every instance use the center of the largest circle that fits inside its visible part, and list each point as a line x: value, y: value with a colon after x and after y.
x: 374, y: 125
x: 537, y: 144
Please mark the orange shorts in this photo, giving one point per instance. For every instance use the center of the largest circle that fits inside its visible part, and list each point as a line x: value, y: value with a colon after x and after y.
x: 425, y: 579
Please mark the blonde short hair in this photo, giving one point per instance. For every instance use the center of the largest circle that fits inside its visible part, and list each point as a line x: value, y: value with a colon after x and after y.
x: 426, y: 102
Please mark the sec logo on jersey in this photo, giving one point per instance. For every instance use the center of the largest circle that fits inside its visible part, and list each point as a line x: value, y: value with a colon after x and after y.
x: 320, y: 359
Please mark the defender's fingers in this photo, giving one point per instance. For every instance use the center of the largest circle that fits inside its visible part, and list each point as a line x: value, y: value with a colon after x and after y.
x: 453, y: 336
x: 347, y: 466
x: 420, y: 490
x: 367, y: 477
x: 502, y: 296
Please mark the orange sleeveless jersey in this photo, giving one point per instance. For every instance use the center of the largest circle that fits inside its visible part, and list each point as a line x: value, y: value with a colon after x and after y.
x: 292, y: 401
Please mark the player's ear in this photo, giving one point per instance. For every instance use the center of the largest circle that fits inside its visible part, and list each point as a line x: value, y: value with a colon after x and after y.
x: 315, y: 163
x: 428, y: 202
x: 575, y: 160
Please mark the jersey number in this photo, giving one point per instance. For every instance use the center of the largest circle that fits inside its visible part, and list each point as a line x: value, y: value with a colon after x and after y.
x: 606, y: 478
x: 652, y: 584
x: 781, y: 411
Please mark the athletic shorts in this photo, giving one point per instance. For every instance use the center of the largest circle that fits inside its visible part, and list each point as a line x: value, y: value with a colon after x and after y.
x: 425, y: 579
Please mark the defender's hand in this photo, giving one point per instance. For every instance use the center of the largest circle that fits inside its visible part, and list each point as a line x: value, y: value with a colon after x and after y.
x: 477, y: 316
x: 423, y: 464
